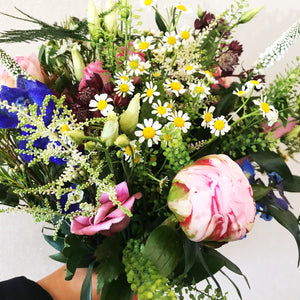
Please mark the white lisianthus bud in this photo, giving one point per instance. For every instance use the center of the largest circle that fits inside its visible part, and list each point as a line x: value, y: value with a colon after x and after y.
x: 78, y: 63
x: 122, y: 141
x: 110, y: 20
x: 77, y: 135
x: 249, y: 15
x: 93, y: 19
x: 110, y: 130
x: 129, y: 118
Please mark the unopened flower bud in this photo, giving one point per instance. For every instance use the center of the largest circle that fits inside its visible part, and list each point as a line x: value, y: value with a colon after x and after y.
x: 248, y: 15
x: 122, y: 141
x: 77, y: 135
x: 78, y: 63
x: 125, y: 10
x: 89, y: 146
x: 110, y: 20
x: 110, y: 130
x: 199, y: 12
x: 93, y: 19
x: 129, y: 118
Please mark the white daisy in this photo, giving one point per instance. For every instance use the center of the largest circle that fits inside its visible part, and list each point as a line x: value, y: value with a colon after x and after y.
x: 147, y: 3
x: 171, y: 40
x: 199, y: 89
x: 181, y: 7
x: 150, y: 92
x: 257, y: 84
x: 210, y: 77
x: 161, y: 110
x: 174, y: 86
x: 208, y: 117
x: 267, y: 110
x: 137, y: 159
x: 143, y: 44
x: 133, y: 65
x: 124, y: 87
x: 272, y: 118
x: 150, y: 132
x: 122, y: 75
x: 186, y: 35
x: 219, y: 126
x: 241, y: 92
x: 179, y: 119
x: 143, y: 67
x: 130, y: 151
x: 190, y: 69
x: 101, y: 103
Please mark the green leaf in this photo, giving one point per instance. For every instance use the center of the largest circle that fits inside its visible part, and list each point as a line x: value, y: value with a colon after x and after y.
x: 259, y: 191
x: 160, y: 23
x: 58, y: 257
x: 7, y: 197
x: 164, y: 248
x: 190, y: 251
x: 272, y: 162
x: 108, y: 255
x: 288, y: 220
x: 57, y: 244
x: 292, y: 184
x: 86, y: 289
x: 113, y: 290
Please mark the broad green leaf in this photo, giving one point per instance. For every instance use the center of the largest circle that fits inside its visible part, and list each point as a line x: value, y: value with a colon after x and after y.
x: 7, y: 197
x: 58, y: 257
x: 86, y: 289
x: 292, y: 184
x: 164, y: 248
x: 57, y: 244
x: 259, y: 191
x: 160, y: 23
x: 190, y: 249
x: 117, y: 289
x: 272, y: 162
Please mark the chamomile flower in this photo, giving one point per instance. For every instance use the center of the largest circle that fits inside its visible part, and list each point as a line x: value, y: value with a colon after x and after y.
x: 143, y: 67
x: 133, y: 65
x: 137, y: 160
x: 257, y: 84
x: 272, y: 118
x: 210, y: 77
x: 147, y: 3
x: 219, y: 126
x: 150, y: 131
x: 144, y: 44
x: 162, y: 110
x: 179, y: 119
x: 171, y: 40
x: 190, y: 69
x: 122, y: 75
x: 150, y: 92
x: 124, y: 87
x: 181, y: 7
x: 267, y: 110
x: 130, y: 151
x: 174, y: 86
x: 101, y: 103
x: 199, y: 89
x: 186, y: 35
x: 208, y: 117
x: 241, y: 92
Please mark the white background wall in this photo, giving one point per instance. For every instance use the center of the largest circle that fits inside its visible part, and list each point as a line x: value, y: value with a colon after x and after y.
x: 268, y: 256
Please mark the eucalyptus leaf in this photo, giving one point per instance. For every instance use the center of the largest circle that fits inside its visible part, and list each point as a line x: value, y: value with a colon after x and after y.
x: 292, y: 184
x: 57, y: 244
x: 58, y: 257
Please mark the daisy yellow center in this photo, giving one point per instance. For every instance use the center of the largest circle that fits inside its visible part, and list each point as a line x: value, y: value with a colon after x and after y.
x: 65, y: 128
x: 169, y: 105
x: 199, y: 89
x: 133, y: 65
x: 148, y: 2
x: 209, y: 74
x: 171, y: 40
x: 101, y: 104
x: 142, y: 68
x: 161, y: 110
x: 208, y: 117
x: 185, y: 35
x: 178, y: 122
x: 189, y: 68
x: 265, y: 107
x: 219, y: 125
x: 149, y: 93
x: 156, y: 74
x: 144, y: 45
x: 255, y: 82
x: 125, y: 78
x: 129, y: 150
x: 175, y: 86
x: 136, y: 160
x: 148, y: 132
x: 241, y: 93
x: 181, y: 7
x: 124, y: 88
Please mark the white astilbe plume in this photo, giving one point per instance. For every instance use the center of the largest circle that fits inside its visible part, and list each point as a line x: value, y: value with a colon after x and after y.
x: 277, y: 50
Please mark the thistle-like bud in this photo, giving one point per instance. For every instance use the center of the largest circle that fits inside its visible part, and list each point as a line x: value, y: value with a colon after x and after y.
x: 78, y: 63
x: 122, y: 141
x: 249, y: 15
x: 129, y: 118
x: 94, y: 23
x: 110, y: 20
x: 110, y: 130
x: 199, y: 12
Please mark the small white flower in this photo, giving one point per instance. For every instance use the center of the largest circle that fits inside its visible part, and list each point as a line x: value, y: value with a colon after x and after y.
x: 190, y: 69
x: 181, y: 7
x: 219, y: 126
x: 150, y: 132
x: 122, y: 75
x: 241, y: 93
x: 161, y: 110
x: 130, y: 151
x: 267, y: 110
x: 101, y: 103
x: 150, y: 92
x: 143, y: 67
x: 199, y: 89
x: 186, y: 35
x: 171, y: 41
x: 210, y: 77
x: 124, y: 87
x: 208, y: 117
x: 257, y: 84
x: 143, y: 44
x: 133, y: 65
x: 174, y: 86
x: 272, y: 118
x: 179, y: 119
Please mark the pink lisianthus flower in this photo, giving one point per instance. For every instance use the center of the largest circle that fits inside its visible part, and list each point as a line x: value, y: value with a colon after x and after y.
x: 90, y: 70
x: 32, y: 66
x: 108, y: 219
x: 278, y: 129
x: 223, y: 81
x: 6, y: 79
x: 213, y: 200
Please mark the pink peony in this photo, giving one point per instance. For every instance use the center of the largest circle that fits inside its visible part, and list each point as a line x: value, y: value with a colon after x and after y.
x: 212, y: 199
x: 32, y: 66
x: 6, y: 79
x: 90, y: 70
x: 108, y: 219
x: 223, y: 81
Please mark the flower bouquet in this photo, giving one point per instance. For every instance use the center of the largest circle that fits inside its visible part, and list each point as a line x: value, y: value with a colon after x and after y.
x: 145, y: 151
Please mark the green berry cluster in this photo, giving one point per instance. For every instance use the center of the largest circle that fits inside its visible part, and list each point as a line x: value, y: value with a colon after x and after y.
x: 143, y: 276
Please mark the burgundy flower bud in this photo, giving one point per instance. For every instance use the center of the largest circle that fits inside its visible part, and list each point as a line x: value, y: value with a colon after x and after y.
x: 109, y: 88
x: 81, y: 113
x: 85, y: 95
x: 206, y: 19
x: 120, y: 101
x: 137, y: 80
x: 227, y: 62
x: 236, y: 47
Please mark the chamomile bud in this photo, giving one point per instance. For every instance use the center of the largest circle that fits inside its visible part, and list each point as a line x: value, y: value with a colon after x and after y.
x: 94, y: 24
x: 199, y: 12
x: 110, y: 20
x: 77, y: 135
x: 89, y: 146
